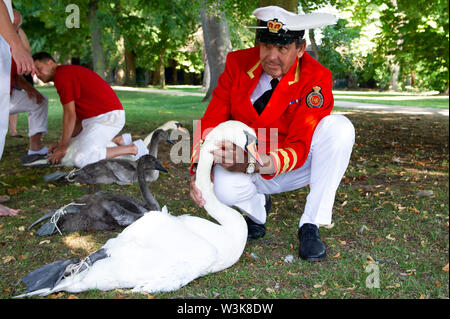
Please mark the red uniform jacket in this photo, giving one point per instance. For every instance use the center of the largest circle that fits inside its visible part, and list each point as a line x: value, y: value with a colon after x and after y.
x: 285, y: 127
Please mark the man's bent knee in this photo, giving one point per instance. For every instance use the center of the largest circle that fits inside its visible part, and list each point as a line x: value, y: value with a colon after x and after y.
x: 231, y: 187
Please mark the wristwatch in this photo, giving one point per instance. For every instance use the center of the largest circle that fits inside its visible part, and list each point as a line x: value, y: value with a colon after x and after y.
x: 251, y: 165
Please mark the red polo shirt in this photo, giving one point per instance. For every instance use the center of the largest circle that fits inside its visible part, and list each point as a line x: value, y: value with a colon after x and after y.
x: 91, y: 94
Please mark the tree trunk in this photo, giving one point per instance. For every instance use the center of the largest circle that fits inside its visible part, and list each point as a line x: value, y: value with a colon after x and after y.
x: 394, y: 77
x: 314, y: 47
x: 98, y: 57
x: 206, y: 75
x: 130, y: 67
x: 217, y: 45
x: 161, y: 70
x: 290, y: 5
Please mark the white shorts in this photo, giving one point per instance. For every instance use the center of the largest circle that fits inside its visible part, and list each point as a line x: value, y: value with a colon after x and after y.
x: 89, y: 146
x: 37, y: 113
x: 328, y: 158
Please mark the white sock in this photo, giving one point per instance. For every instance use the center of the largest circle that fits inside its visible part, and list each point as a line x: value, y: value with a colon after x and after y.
x: 142, y: 149
x: 126, y: 138
x: 42, y: 151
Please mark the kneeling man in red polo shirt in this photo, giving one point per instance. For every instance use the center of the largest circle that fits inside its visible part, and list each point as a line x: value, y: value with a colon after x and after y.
x: 93, y: 115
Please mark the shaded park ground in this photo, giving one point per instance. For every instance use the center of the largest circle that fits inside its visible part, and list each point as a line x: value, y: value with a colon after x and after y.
x: 391, y: 211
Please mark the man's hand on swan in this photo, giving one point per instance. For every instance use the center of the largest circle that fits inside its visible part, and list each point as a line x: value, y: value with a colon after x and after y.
x: 195, y: 193
x: 59, y: 150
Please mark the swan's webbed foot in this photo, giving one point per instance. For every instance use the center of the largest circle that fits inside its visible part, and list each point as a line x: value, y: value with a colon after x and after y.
x: 56, y: 176
x: 47, y: 276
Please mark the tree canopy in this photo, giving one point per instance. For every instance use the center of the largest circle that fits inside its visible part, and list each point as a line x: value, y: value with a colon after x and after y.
x: 374, y: 41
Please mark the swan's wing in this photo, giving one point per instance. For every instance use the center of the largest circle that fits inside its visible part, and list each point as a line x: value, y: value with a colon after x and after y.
x: 124, y: 171
x: 121, y: 214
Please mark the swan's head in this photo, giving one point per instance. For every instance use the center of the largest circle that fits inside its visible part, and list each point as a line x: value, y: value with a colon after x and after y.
x: 161, y: 135
x: 149, y: 162
x: 239, y: 134
x: 174, y: 125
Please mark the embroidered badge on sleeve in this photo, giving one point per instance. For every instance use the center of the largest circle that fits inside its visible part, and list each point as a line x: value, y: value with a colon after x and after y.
x: 315, y: 98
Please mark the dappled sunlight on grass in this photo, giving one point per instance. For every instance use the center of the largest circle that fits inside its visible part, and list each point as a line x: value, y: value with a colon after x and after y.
x: 76, y: 241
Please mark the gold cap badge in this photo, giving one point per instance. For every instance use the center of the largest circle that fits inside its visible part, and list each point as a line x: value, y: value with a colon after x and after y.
x: 274, y: 26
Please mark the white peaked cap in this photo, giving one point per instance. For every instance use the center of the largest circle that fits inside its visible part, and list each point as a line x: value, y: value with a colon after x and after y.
x: 292, y: 21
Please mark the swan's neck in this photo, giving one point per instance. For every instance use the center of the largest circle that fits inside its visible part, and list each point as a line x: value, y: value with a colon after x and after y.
x: 150, y: 202
x: 229, y: 218
x: 148, y: 138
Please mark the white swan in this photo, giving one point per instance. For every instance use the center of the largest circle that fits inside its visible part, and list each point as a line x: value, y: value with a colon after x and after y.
x: 160, y: 252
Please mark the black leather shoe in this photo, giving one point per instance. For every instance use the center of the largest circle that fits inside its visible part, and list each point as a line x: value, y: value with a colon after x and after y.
x: 256, y: 230
x: 311, y: 247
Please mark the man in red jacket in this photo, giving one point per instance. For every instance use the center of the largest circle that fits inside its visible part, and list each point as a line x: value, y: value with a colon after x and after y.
x: 285, y: 95
x: 93, y: 115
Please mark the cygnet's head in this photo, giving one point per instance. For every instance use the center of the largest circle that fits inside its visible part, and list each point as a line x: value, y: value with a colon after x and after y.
x: 161, y: 135
x: 149, y: 162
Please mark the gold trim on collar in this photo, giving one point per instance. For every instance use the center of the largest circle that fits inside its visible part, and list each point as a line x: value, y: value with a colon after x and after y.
x: 250, y: 72
x: 297, y: 73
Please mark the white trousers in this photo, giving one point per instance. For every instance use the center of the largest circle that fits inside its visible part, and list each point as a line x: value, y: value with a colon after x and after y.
x: 328, y: 158
x: 89, y: 146
x: 5, y: 79
x: 37, y: 113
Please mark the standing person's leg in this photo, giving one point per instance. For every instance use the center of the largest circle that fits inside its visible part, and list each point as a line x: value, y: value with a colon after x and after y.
x: 5, y: 77
x: 13, y: 125
x: 37, y: 118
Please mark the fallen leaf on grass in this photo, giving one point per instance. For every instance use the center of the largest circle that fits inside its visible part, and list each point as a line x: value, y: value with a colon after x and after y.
x: 337, y: 255
x: 14, y: 191
x: 397, y: 285
x: 21, y: 228
x: 445, y: 268
x: 7, y: 259
x: 317, y: 286
x: 370, y: 260
x: 342, y: 242
x: 323, y: 293
x: 72, y: 297
x: 390, y: 237
x: 44, y: 242
x: 56, y: 296
x: 22, y: 257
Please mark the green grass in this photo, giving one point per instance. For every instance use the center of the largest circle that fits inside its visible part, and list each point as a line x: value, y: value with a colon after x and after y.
x: 395, y: 157
x: 429, y: 103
